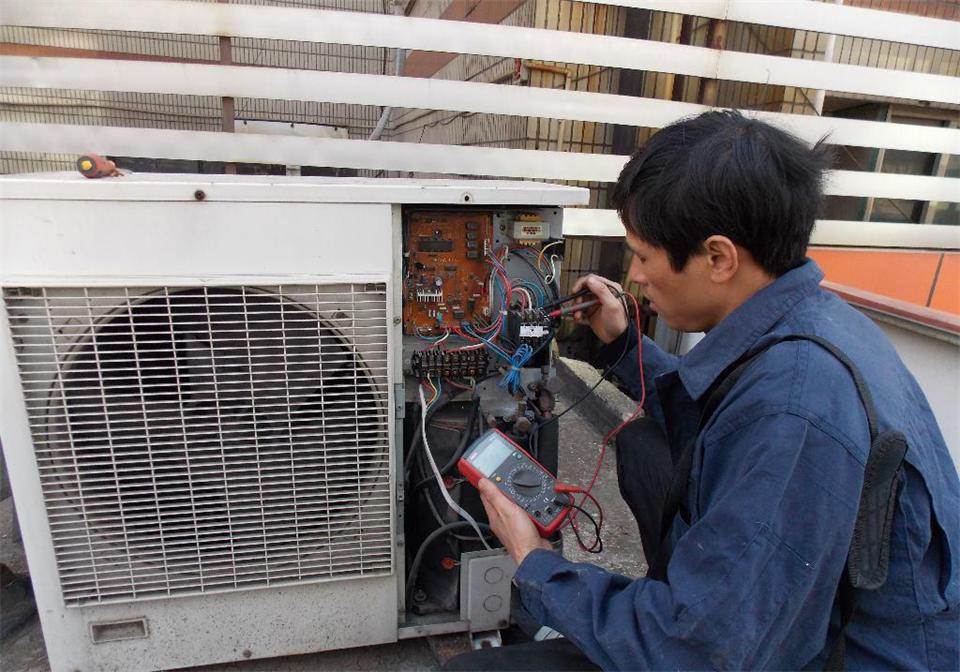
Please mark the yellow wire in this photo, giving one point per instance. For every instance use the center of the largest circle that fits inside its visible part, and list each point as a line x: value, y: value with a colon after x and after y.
x: 545, y: 248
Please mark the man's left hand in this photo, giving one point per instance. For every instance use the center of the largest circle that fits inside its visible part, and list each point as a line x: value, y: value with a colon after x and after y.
x: 510, y: 523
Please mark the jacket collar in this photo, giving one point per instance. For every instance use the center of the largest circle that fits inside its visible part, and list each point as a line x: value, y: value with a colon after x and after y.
x: 742, y: 328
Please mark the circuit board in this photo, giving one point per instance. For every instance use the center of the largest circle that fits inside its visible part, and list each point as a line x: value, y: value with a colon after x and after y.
x: 445, y: 281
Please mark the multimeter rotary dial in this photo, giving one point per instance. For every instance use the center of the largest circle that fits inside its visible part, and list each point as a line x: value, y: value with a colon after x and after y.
x: 526, y: 483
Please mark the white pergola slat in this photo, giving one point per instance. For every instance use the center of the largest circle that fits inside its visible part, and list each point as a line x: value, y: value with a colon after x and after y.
x: 339, y: 27
x: 329, y: 26
x: 605, y: 223
x: 360, y: 89
x: 291, y: 150
x: 823, y: 18
x: 425, y: 158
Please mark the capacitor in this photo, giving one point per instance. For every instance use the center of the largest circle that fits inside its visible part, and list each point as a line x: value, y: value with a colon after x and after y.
x: 438, y: 281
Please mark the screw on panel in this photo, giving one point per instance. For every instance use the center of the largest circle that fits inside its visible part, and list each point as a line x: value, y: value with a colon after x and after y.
x: 247, y: 653
x: 199, y: 194
x: 396, y: 320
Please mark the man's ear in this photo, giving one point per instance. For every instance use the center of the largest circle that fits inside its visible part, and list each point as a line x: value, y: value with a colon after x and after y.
x: 723, y: 258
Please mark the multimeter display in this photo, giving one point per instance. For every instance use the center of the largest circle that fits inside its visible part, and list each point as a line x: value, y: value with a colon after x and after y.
x: 518, y: 475
x: 489, y: 452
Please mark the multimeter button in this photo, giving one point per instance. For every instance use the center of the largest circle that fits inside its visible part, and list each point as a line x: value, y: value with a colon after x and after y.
x: 536, y: 513
x: 549, y: 510
x: 517, y: 455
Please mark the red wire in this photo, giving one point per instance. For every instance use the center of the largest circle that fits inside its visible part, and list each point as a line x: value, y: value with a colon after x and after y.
x: 460, y: 332
x: 457, y: 385
x: 571, y: 520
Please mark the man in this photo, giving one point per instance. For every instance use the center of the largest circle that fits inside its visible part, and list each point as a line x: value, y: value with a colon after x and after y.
x: 718, y: 213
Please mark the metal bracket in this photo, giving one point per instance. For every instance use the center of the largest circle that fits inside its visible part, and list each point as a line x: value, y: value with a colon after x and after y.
x: 486, y: 640
x: 400, y: 407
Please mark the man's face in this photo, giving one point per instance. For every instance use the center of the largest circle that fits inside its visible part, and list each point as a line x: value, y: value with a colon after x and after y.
x: 685, y: 299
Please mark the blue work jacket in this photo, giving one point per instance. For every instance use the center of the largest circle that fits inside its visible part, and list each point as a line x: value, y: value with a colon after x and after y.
x: 774, y: 490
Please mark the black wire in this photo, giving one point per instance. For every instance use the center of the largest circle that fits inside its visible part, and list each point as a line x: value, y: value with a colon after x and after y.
x: 465, y: 439
x: 417, y: 439
x: 597, y: 546
x: 428, y: 477
x: 417, y: 434
x: 418, y: 558
x: 603, y: 377
x: 458, y: 453
x: 540, y: 278
x: 533, y: 442
x: 432, y: 505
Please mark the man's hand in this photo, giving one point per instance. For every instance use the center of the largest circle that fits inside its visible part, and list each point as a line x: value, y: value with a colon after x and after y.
x: 510, y: 523
x: 608, y: 318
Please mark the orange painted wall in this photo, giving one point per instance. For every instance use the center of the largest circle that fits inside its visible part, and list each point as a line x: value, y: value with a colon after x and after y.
x: 903, y: 275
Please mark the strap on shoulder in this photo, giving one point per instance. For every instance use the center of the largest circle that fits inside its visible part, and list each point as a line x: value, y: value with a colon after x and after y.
x: 867, y: 562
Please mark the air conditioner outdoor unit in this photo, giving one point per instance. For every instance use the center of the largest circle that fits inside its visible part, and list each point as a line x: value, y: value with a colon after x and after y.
x: 205, y: 383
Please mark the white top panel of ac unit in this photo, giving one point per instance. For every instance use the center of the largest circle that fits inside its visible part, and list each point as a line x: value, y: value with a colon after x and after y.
x: 286, y: 189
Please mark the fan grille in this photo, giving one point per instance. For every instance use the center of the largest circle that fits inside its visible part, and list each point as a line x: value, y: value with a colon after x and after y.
x: 208, y: 439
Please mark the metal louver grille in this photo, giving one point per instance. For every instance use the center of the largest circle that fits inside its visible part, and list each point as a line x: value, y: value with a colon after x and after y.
x: 204, y: 439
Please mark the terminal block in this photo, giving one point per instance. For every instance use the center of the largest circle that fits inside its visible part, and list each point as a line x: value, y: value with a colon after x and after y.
x: 449, y: 363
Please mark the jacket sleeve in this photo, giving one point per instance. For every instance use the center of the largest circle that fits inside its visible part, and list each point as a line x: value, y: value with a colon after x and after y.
x: 621, y: 355
x: 768, y: 551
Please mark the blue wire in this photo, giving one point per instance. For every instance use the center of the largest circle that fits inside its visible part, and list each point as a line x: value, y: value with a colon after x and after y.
x: 511, y: 380
x: 497, y: 350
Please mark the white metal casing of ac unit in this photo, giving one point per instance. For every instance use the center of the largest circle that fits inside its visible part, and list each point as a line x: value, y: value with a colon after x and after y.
x: 185, y: 359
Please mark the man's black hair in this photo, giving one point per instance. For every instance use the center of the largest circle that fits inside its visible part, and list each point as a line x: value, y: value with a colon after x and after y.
x: 723, y: 174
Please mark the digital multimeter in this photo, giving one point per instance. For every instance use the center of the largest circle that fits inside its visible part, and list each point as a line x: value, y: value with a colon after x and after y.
x: 520, y: 477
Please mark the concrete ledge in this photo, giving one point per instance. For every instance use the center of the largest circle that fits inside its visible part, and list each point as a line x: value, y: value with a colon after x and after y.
x: 606, y: 407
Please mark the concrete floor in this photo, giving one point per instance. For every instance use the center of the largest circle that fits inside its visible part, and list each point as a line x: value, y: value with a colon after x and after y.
x: 579, y: 449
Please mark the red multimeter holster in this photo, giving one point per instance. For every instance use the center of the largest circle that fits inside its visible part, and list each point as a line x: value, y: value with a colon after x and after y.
x: 519, y: 476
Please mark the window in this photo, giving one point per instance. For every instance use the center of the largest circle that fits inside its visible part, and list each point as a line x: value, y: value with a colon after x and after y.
x: 896, y: 161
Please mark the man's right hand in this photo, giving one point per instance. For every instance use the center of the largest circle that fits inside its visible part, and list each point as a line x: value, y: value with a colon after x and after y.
x: 607, y: 318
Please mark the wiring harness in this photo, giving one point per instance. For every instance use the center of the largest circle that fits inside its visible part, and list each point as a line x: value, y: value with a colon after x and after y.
x: 509, y: 294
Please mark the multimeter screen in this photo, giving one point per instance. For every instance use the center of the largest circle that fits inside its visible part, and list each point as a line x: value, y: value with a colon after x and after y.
x: 489, y: 453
